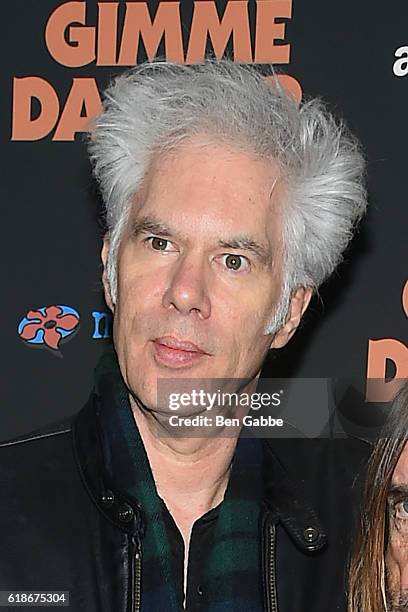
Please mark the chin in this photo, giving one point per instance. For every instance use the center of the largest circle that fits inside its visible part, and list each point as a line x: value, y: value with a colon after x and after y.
x: 397, y: 601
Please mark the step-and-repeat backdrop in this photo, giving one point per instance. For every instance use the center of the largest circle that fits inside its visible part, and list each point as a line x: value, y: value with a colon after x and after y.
x: 56, y: 58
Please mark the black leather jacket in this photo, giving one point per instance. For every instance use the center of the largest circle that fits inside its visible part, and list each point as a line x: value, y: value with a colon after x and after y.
x: 66, y: 527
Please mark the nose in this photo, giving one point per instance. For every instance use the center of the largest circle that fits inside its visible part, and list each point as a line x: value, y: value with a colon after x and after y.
x: 187, y: 289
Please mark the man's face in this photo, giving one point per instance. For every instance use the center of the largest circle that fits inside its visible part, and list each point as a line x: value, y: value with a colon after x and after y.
x: 397, y: 551
x: 199, y: 270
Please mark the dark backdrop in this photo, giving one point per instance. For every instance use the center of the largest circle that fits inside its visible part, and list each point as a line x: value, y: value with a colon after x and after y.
x: 350, y: 53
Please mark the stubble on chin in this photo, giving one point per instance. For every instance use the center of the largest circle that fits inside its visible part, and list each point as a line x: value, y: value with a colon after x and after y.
x: 397, y: 602
x: 401, y: 606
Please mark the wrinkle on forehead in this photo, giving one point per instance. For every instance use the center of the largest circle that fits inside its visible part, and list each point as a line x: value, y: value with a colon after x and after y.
x: 203, y: 143
x: 245, y: 205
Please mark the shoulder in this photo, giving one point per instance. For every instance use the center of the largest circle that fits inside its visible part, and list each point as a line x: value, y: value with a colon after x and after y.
x: 48, y: 431
x: 325, y: 471
x: 37, y: 454
x: 300, y: 455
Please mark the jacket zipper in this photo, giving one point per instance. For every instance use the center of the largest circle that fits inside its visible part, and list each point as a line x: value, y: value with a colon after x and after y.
x: 272, y: 600
x: 137, y: 580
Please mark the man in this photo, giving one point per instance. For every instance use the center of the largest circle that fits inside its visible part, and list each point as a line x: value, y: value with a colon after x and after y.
x: 379, y: 568
x: 226, y: 207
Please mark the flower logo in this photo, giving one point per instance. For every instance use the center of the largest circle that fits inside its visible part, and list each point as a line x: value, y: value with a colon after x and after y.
x: 48, y: 325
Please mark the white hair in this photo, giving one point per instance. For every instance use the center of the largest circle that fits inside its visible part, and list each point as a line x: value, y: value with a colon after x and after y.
x: 155, y: 106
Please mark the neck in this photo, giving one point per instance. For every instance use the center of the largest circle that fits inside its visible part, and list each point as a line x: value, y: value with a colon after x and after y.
x: 191, y: 474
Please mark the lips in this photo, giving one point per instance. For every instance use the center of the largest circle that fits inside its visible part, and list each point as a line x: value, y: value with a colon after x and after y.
x: 174, y: 353
x: 180, y: 345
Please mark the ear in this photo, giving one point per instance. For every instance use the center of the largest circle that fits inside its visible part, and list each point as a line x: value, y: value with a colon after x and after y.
x: 298, y: 304
x: 105, y: 281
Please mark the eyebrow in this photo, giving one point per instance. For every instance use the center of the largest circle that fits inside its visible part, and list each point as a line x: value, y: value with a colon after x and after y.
x: 396, y: 491
x: 248, y: 244
x: 153, y: 225
x: 150, y: 224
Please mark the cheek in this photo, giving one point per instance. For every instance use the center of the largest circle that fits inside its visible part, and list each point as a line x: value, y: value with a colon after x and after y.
x: 397, y: 562
x: 391, y: 561
x: 245, y: 337
x: 139, y: 293
x: 128, y: 316
x: 139, y: 277
x: 249, y: 307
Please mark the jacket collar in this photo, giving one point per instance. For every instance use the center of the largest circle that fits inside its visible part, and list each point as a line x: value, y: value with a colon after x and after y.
x: 112, y: 502
x: 286, y: 498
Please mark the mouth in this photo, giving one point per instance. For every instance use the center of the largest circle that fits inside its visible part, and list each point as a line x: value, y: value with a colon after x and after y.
x: 174, y: 353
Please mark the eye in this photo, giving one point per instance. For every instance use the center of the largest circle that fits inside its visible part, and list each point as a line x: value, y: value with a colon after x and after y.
x: 401, y: 510
x: 236, y: 262
x: 159, y: 244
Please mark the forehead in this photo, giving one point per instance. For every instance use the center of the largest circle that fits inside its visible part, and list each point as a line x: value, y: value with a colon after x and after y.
x: 400, y: 475
x: 209, y: 187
